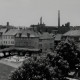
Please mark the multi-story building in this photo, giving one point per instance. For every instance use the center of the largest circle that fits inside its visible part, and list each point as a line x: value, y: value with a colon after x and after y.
x: 28, y: 39
x: 46, y: 41
x: 31, y: 39
x: 2, y: 31
x: 9, y: 37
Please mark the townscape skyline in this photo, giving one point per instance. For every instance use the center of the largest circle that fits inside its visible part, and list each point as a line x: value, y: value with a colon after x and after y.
x: 27, y: 12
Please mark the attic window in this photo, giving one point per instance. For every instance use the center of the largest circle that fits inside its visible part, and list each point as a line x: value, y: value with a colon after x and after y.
x: 40, y: 40
x: 20, y: 34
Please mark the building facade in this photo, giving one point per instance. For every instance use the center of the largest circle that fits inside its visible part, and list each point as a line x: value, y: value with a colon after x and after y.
x: 9, y: 37
x: 2, y: 31
x: 46, y: 42
x: 35, y: 40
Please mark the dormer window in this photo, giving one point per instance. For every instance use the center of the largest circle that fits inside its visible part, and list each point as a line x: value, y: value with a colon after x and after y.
x: 20, y: 34
x: 28, y: 35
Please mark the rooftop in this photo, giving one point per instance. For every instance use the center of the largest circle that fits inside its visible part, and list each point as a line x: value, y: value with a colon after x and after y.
x: 72, y: 33
x: 45, y: 35
x: 3, y: 30
x: 58, y: 37
x: 11, y: 32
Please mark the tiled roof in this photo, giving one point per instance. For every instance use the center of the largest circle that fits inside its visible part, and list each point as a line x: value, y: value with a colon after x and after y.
x: 72, y: 33
x: 11, y: 32
x: 3, y: 30
x: 31, y: 32
x: 58, y: 37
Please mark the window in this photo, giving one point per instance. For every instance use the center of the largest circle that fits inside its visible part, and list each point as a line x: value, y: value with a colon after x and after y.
x: 12, y: 37
x: 40, y: 40
x: 6, y: 42
x: 5, y: 37
x: 12, y: 42
x: 40, y: 45
x: 9, y: 37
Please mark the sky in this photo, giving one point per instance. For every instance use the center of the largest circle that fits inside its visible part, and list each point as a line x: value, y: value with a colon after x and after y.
x: 27, y: 12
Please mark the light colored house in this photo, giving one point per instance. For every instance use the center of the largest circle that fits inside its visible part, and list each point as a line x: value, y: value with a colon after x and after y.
x: 2, y: 31
x: 9, y: 37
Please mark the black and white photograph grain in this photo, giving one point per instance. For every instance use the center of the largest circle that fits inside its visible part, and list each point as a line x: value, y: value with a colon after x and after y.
x: 39, y: 39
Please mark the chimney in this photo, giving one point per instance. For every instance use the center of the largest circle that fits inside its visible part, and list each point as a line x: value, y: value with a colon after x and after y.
x: 41, y: 20
x: 7, y: 23
x: 28, y: 35
x: 20, y: 34
x: 58, y: 18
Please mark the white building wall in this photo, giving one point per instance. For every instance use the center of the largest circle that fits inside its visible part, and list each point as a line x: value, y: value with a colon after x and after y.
x: 8, y: 40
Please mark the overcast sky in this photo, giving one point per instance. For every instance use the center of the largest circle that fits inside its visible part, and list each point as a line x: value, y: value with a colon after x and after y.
x: 27, y: 12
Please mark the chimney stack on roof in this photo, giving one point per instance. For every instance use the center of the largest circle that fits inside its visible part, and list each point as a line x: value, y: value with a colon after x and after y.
x: 41, y: 20
x: 7, y: 23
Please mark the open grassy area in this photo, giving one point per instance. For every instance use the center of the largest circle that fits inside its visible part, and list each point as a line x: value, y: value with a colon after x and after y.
x: 5, y: 70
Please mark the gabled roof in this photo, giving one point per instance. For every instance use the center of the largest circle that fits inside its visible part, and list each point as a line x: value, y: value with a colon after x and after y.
x: 58, y: 37
x: 72, y: 33
x: 3, y: 30
x: 11, y: 32
x: 25, y: 32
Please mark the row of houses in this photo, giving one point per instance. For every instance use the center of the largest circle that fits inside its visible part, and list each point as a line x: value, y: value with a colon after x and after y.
x: 26, y: 39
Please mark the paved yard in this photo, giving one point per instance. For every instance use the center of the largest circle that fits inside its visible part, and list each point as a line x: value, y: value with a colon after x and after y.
x: 12, y: 64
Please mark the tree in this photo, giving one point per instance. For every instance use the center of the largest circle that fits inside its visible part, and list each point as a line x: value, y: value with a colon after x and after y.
x: 41, y: 68
x: 69, y: 51
x: 32, y: 70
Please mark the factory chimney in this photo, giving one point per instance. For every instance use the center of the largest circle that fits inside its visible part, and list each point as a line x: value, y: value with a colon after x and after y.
x: 58, y: 18
x: 41, y: 20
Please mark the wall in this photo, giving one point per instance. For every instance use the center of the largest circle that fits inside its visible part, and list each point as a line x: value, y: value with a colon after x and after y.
x: 46, y: 44
x: 8, y: 40
x: 31, y: 42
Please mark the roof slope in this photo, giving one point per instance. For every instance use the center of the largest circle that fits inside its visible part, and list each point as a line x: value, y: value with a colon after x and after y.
x: 11, y: 32
x: 58, y: 37
x: 25, y: 32
x: 72, y: 33
x: 3, y: 30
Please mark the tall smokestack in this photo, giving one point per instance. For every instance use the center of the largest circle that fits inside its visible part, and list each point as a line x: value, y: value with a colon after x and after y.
x: 41, y: 20
x: 7, y: 23
x: 58, y: 18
